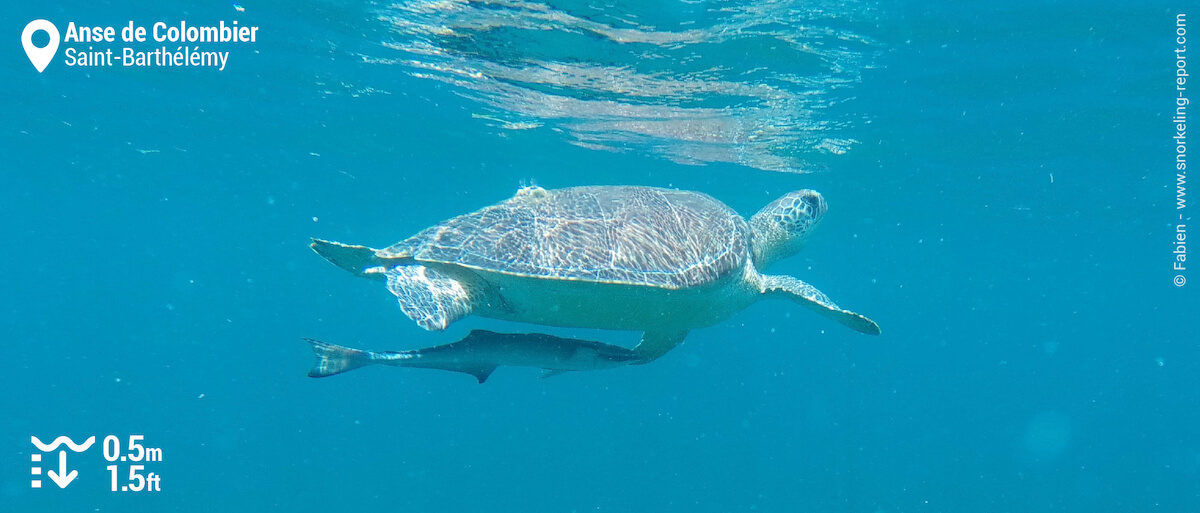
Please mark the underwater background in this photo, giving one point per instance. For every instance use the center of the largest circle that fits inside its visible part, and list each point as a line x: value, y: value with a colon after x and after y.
x: 1002, y: 201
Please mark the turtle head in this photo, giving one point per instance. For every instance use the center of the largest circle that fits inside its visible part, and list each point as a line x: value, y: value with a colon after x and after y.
x: 781, y: 228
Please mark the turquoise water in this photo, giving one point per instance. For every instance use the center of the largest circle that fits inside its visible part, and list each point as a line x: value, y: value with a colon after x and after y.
x: 1002, y: 201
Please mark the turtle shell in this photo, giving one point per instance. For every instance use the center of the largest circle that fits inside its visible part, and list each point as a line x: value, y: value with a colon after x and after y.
x: 605, y: 234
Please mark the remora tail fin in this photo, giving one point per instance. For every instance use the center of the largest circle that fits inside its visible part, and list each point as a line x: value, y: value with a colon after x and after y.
x: 334, y: 359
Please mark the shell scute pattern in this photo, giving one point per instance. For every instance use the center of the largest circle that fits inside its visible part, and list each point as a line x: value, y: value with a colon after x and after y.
x: 634, y: 235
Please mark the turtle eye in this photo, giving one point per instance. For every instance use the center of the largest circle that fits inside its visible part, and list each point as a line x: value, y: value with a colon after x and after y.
x: 813, y: 203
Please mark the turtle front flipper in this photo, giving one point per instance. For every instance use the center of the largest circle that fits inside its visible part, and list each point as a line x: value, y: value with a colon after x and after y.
x: 654, y: 344
x: 808, y: 296
x: 429, y: 297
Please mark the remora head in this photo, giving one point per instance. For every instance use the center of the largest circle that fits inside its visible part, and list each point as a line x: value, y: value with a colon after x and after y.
x: 781, y: 228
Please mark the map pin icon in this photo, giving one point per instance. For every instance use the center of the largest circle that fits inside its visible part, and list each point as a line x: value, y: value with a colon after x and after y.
x: 40, y: 57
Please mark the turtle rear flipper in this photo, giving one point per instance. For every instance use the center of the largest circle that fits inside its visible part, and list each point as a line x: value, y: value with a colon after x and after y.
x: 353, y: 258
x: 654, y: 344
x: 429, y: 297
x: 806, y: 295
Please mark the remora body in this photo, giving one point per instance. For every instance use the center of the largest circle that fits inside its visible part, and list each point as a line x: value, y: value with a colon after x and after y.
x: 479, y: 353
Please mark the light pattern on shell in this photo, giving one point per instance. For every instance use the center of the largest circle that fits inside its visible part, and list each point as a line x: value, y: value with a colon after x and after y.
x: 611, y: 234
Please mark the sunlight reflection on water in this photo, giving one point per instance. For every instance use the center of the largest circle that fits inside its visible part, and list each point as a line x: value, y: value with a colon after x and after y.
x: 751, y: 83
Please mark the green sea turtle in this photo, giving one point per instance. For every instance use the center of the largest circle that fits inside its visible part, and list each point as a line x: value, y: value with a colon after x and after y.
x: 645, y: 259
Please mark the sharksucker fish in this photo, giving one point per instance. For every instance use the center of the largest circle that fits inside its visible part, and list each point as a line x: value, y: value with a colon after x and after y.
x: 479, y: 353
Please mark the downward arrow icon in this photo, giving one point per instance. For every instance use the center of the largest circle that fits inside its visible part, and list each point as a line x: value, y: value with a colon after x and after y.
x: 62, y: 478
